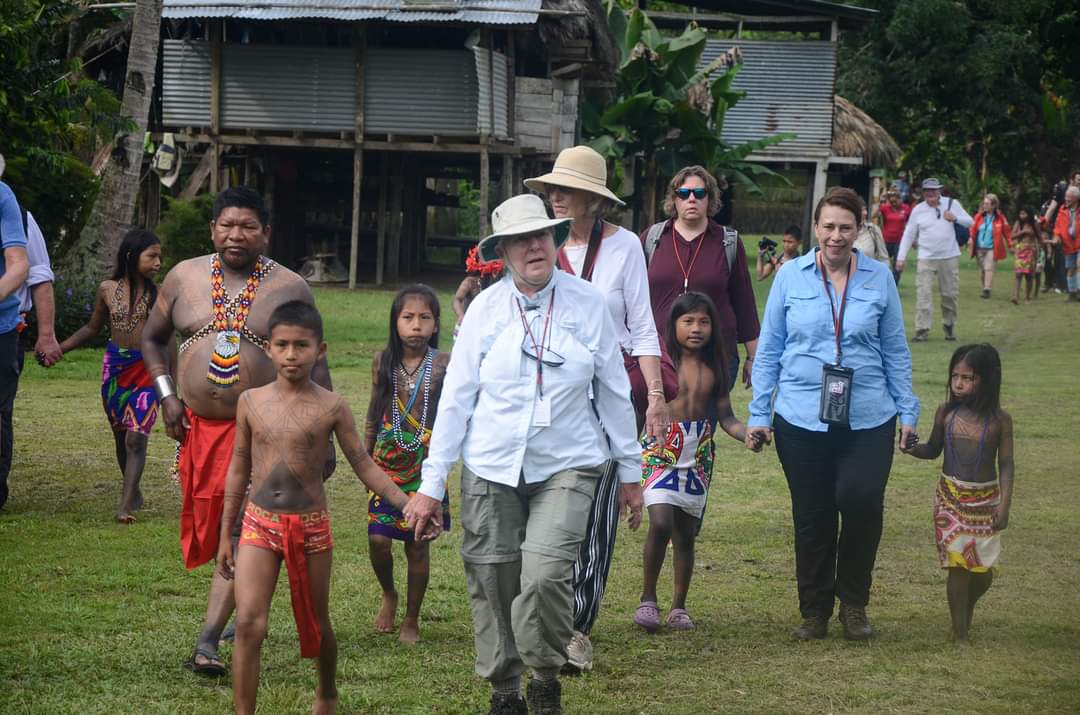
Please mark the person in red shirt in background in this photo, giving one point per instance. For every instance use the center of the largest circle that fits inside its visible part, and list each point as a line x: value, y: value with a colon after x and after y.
x: 893, y: 215
x: 1067, y: 229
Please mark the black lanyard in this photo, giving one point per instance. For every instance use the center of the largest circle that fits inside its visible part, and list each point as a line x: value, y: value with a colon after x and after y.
x: 838, y: 321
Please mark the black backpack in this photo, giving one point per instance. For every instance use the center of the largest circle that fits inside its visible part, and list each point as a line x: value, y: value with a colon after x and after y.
x: 960, y: 231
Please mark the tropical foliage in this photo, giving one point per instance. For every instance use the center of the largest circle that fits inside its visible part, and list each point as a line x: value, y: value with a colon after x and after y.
x: 667, y: 109
x: 983, y: 88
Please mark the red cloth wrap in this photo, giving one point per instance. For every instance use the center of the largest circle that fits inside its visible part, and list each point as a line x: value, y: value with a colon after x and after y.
x: 293, y: 536
x: 204, y: 464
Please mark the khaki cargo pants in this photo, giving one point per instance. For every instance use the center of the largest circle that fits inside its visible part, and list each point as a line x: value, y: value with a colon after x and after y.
x: 945, y: 272
x: 519, y: 545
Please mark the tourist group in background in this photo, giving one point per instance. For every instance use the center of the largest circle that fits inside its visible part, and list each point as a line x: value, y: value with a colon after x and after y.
x: 589, y: 372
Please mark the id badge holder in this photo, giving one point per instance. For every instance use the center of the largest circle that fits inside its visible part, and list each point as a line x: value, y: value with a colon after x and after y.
x: 836, y: 395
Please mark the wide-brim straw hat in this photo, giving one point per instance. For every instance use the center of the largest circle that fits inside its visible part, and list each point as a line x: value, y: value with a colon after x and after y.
x: 578, y: 167
x: 518, y: 216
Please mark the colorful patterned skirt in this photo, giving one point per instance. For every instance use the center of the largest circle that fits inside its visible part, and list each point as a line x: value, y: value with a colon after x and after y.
x: 127, y: 392
x: 403, y: 467
x: 678, y: 470
x: 964, y: 524
x: 1025, y: 260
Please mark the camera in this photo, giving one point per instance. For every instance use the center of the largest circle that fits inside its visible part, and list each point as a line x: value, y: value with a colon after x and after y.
x: 767, y: 246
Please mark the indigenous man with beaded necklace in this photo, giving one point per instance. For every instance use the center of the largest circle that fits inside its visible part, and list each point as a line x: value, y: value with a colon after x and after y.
x: 219, y: 306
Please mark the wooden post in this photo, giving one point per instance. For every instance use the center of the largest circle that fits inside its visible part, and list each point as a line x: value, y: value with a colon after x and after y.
x: 511, y: 83
x: 820, y: 178
x: 491, y: 82
x: 380, y: 240
x: 393, y: 254
x: 358, y: 158
x: 507, y: 177
x: 216, y: 27
x: 485, y: 183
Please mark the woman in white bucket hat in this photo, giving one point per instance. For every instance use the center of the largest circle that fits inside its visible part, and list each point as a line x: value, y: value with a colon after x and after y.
x: 610, y: 257
x: 536, y: 352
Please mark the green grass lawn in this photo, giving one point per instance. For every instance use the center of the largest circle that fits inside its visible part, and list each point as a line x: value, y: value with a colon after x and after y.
x: 96, y: 617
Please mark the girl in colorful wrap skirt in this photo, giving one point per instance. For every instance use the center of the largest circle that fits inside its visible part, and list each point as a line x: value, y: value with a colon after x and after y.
x: 406, y: 384
x: 971, y: 505
x: 127, y: 392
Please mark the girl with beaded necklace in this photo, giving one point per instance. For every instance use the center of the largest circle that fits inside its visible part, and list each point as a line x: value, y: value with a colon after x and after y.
x: 124, y: 302
x: 406, y: 383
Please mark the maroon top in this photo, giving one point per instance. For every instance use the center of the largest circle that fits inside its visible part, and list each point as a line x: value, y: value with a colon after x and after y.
x: 731, y: 291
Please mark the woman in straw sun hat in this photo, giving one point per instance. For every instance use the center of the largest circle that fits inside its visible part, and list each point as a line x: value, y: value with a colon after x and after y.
x: 610, y: 257
x: 536, y: 353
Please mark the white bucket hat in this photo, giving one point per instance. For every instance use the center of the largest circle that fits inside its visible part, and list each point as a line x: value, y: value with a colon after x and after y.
x: 518, y: 216
x: 578, y: 167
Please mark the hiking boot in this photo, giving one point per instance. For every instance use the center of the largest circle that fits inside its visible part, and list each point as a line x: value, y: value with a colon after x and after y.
x: 812, y: 628
x: 856, y: 624
x: 578, y: 654
x: 921, y: 336
x: 949, y: 334
x: 544, y: 697
x: 508, y: 704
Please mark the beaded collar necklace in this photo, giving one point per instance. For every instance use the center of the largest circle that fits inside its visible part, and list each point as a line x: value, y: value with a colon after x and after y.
x: 397, y: 415
x: 230, y: 319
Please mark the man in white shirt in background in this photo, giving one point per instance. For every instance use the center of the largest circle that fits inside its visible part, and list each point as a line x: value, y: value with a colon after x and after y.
x: 536, y: 352
x: 932, y: 225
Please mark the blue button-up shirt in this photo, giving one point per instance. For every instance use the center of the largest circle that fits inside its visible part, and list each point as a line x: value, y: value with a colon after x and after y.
x: 797, y: 340
x: 11, y: 234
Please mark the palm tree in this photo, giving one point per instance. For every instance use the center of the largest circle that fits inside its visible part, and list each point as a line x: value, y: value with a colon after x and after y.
x: 114, y: 208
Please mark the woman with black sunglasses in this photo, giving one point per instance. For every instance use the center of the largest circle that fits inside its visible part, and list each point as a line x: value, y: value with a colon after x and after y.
x: 691, y: 252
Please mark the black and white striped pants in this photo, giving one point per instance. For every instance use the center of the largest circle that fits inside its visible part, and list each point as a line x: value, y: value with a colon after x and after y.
x: 595, y: 554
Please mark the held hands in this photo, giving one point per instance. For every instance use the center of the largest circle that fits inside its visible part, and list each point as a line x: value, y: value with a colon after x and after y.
x: 226, y: 560
x: 630, y: 499
x: 47, y: 351
x: 176, y: 422
x: 758, y: 437
x: 899, y: 266
x: 909, y: 439
x: 424, y: 515
x: 657, y: 417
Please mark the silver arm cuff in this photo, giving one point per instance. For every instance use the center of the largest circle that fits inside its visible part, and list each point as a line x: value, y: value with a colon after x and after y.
x: 164, y: 386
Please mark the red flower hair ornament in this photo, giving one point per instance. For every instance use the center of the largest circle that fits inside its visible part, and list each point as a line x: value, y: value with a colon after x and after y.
x: 473, y: 264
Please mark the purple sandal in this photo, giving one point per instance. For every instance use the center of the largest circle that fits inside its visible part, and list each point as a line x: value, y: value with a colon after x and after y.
x: 647, y: 616
x: 679, y: 620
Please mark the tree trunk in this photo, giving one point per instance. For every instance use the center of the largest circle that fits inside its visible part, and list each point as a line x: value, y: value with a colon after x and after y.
x: 649, y: 209
x: 114, y: 207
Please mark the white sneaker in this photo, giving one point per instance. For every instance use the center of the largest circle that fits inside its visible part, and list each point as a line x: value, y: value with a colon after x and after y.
x: 578, y: 653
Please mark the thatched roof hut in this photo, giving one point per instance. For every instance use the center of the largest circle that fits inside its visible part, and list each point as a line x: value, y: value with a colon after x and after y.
x: 587, y: 27
x: 856, y: 134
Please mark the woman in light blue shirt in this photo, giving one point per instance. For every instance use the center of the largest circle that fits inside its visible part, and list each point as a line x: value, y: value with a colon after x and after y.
x: 832, y: 374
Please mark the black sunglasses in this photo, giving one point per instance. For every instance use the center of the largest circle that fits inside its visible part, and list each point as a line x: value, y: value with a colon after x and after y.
x: 684, y: 193
x: 551, y: 358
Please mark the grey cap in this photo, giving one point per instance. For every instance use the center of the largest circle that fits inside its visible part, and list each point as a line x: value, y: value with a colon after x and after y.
x: 931, y: 183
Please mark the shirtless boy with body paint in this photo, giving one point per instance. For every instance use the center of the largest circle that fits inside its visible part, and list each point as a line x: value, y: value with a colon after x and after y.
x: 282, y: 436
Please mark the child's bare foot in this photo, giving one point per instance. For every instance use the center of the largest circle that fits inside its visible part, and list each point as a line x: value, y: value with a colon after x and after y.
x: 410, y: 630
x: 124, y: 516
x: 384, y: 622
x: 324, y: 706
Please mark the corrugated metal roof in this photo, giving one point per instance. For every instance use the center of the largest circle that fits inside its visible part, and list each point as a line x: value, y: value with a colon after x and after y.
x: 789, y: 88
x: 480, y: 12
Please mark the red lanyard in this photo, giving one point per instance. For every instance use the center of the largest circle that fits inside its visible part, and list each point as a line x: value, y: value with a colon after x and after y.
x: 686, y: 271
x: 538, y: 347
x: 838, y: 321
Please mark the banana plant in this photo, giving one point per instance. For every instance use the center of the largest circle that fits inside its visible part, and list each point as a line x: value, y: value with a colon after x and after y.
x: 667, y: 110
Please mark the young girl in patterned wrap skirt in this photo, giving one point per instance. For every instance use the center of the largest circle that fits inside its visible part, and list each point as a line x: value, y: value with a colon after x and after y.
x: 971, y: 505
x: 406, y: 383
x: 127, y: 392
